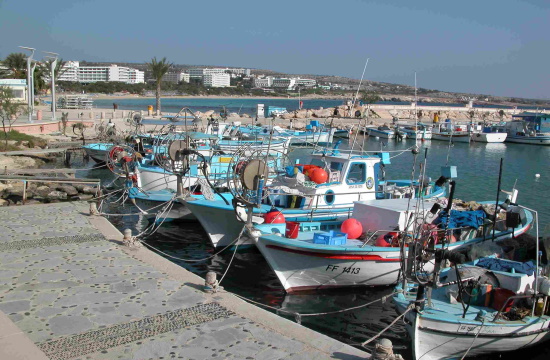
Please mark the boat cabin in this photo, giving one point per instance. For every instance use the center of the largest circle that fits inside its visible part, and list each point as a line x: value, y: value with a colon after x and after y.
x: 537, y: 122
x: 327, y: 181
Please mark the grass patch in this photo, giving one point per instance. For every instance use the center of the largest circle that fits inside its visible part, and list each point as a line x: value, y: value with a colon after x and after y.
x: 20, y: 137
x: 10, y: 147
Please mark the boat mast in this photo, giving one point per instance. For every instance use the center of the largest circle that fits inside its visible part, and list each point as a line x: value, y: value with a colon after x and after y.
x: 353, y: 106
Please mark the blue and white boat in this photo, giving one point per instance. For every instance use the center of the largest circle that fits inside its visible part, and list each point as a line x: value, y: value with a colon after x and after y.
x: 97, y: 151
x: 528, y: 128
x: 471, y: 314
x: 344, y: 179
x: 420, y: 131
x: 381, y: 132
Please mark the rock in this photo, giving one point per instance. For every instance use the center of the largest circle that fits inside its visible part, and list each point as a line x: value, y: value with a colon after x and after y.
x: 18, y: 162
x: 323, y: 113
x: 80, y: 187
x: 82, y: 197
x: 234, y: 115
x: 43, y: 191
x: 4, y: 187
x: 89, y: 190
x: 245, y: 116
x: 299, y: 125
x: 57, y: 195
x: 287, y: 116
x: 4, y: 202
x: 16, y: 189
x: 208, y: 113
x: 302, y: 114
x: 68, y: 189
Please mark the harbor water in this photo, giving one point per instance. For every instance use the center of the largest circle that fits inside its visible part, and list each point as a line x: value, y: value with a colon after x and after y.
x: 248, y: 274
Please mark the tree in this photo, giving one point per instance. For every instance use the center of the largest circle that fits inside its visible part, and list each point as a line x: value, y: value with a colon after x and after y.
x: 158, y: 69
x: 16, y: 64
x: 369, y: 97
x: 9, y: 109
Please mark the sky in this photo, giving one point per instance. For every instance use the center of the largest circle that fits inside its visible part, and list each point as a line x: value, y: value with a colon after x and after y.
x: 488, y: 47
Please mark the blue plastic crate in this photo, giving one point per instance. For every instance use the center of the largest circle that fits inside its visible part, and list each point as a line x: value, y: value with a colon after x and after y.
x: 330, y: 238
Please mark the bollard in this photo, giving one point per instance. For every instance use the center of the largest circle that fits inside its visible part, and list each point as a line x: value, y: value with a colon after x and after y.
x: 383, y: 350
x: 127, y: 235
x: 102, y: 115
x: 211, y: 285
x: 93, y: 208
x: 91, y: 115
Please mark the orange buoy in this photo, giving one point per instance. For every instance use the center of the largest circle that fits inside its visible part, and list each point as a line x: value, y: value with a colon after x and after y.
x: 319, y: 176
x: 352, y: 227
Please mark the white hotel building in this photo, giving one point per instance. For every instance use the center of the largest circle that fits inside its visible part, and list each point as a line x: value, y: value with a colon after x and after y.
x: 91, y: 74
x: 216, y: 80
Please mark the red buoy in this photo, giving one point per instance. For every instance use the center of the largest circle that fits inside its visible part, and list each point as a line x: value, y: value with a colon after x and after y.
x: 318, y: 176
x: 352, y: 227
x: 382, y: 242
x: 274, y: 216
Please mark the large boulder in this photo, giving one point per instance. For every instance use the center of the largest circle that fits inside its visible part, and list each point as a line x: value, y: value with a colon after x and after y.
x: 323, y: 113
x: 57, y: 195
x: 68, y: 189
x: 43, y: 191
x: 302, y: 114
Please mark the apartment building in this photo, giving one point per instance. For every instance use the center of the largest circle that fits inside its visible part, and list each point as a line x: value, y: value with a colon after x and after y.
x: 90, y: 74
x: 217, y: 80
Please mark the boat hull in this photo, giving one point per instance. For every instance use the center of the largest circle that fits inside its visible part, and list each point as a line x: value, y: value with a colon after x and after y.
x: 98, y: 152
x: 437, y: 339
x: 532, y: 140
x: 302, y: 265
x: 463, y: 138
x: 489, y: 137
x: 381, y: 134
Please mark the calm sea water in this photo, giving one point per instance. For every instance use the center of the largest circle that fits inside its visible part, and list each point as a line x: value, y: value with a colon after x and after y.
x: 241, y: 105
x: 478, y: 167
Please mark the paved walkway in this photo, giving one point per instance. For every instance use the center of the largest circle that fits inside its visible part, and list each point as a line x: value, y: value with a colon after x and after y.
x: 69, y: 290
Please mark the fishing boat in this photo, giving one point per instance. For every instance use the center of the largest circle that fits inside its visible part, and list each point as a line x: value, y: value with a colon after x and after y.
x: 97, y: 151
x: 488, y: 307
x: 420, y: 131
x: 487, y: 134
x: 323, y: 189
x: 381, y: 132
x: 528, y: 128
x: 448, y: 132
x: 314, y: 134
x: 322, y: 256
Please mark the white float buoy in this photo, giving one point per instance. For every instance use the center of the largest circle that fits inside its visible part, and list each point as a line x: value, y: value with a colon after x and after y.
x: 537, y: 175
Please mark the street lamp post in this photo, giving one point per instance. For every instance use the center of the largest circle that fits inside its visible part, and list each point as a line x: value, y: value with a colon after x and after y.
x: 52, y: 74
x: 29, y: 83
x: 33, y: 66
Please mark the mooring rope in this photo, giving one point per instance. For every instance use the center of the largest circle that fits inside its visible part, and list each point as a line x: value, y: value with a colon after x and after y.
x: 190, y: 260
x: 409, y: 308
x: 473, y: 341
x: 297, y: 314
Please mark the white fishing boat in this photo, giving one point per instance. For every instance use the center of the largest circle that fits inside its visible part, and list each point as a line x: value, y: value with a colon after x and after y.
x: 448, y: 132
x: 528, y: 128
x: 487, y: 134
x: 471, y: 314
x: 319, y: 259
x: 420, y: 131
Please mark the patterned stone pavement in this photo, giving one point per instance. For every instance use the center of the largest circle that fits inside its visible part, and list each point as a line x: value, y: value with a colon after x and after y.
x: 77, y: 295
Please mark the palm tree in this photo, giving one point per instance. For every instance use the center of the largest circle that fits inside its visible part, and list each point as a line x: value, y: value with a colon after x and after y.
x: 59, y: 70
x: 16, y: 64
x: 158, y: 69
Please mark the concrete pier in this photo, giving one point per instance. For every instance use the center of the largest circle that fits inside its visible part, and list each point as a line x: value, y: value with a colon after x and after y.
x: 69, y: 289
